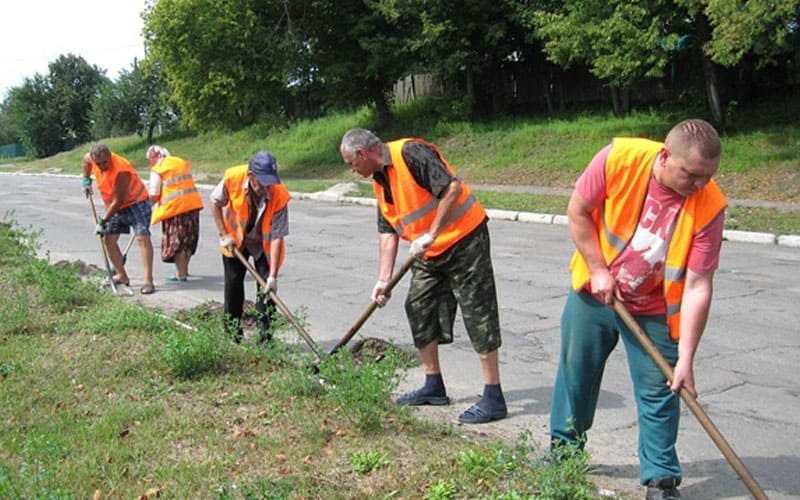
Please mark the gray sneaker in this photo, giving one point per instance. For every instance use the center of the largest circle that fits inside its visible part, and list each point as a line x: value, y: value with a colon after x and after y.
x: 665, y: 488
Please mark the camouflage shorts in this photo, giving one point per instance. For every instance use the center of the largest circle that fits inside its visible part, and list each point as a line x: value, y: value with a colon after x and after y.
x: 462, y: 276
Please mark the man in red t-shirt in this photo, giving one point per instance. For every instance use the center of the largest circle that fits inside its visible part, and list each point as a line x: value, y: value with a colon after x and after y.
x: 647, y: 221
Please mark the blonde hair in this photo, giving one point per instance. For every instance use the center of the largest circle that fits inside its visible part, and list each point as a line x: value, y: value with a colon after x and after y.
x: 694, y: 134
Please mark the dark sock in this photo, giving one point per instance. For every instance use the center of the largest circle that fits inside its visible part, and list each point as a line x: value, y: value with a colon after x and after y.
x: 434, y: 385
x: 492, y: 398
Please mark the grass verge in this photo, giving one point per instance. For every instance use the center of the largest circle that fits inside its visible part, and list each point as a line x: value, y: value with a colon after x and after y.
x: 103, y: 398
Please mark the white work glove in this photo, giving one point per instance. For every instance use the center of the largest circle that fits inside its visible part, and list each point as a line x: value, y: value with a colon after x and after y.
x: 272, y: 285
x: 378, y: 296
x: 228, y: 242
x: 420, y: 245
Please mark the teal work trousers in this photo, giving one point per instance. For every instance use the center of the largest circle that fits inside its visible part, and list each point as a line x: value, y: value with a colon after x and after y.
x: 589, y: 332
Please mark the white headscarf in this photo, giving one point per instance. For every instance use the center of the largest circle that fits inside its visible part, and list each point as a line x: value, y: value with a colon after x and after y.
x: 156, y: 150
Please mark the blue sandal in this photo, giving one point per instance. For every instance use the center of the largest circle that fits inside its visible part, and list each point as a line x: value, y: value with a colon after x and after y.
x: 477, y: 415
x: 172, y: 278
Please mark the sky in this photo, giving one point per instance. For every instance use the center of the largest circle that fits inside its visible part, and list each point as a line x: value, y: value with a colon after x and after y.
x: 106, y: 33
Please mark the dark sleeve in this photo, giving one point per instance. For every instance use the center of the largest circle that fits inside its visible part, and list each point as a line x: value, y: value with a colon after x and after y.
x: 383, y: 224
x: 427, y: 168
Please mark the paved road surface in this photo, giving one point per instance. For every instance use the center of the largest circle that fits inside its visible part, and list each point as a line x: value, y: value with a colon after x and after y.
x: 747, y: 366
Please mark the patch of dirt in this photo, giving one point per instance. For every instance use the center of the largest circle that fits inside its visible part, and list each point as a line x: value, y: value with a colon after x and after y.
x: 375, y: 349
x: 79, y: 267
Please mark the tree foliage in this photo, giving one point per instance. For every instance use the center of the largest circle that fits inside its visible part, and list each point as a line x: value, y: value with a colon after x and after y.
x: 764, y: 28
x: 228, y: 61
x: 51, y: 113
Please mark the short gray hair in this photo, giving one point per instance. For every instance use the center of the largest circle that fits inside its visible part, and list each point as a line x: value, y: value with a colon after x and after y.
x: 358, y: 138
x: 99, y: 149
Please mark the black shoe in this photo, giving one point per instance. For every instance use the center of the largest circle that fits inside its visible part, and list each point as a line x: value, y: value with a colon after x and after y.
x: 665, y: 488
x: 417, y: 398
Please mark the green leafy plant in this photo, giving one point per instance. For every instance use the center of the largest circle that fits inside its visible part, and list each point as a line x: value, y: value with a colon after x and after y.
x: 192, y: 353
x: 360, y: 391
x: 442, y: 489
x: 365, y: 462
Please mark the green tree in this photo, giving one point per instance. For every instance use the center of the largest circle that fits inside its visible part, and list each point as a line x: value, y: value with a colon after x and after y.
x: 360, y: 48
x: 8, y: 133
x: 228, y: 61
x: 469, y: 42
x: 764, y: 28
x: 619, y: 40
x: 73, y: 86
x: 135, y: 104
x: 35, y: 118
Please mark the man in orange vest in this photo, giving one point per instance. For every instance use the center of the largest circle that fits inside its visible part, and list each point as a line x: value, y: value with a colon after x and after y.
x: 421, y: 199
x: 127, y: 205
x: 177, y: 205
x: 647, y: 221
x: 250, y: 208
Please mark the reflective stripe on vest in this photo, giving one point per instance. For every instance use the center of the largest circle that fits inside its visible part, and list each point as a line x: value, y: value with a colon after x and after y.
x: 628, y: 169
x: 135, y: 191
x: 415, y: 208
x: 237, y: 212
x: 178, y: 191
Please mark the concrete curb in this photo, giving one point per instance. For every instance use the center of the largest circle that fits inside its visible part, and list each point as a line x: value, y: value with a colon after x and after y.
x: 336, y: 194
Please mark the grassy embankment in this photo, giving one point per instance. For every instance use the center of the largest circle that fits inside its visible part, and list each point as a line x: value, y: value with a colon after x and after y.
x: 101, y: 398
x: 761, y: 154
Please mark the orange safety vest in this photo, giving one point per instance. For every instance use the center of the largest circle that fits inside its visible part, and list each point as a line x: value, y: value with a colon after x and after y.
x: 178, y: 192
x: 628, y: 169
x: 136, y: 190
x: 415, y: 208
x: 236, y: 213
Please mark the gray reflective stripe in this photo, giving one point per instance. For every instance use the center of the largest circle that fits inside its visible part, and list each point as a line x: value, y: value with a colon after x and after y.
x: 461, y: 210
x: 237, y: 226
x: 673, y: 309
x: 431, y: 205
x: 674, y: 273
x: 178, y: 179
x: 399, y: 230
x: 266, y: 236
x: 178, y: 193
x: 135, y: 196
x: 420, y: 212
x: 612, y: 238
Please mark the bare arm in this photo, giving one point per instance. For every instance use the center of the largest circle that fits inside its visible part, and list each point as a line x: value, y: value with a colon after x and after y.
x: 582, y: 230
x: 387, y: 243
x: 87, y: 165
x: 695, y: 306
x: 275, y: 250
x: 216, y: 211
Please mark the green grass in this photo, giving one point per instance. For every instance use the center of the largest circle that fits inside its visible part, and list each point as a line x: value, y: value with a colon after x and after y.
x: 761, y: 152
x: 103, y: 398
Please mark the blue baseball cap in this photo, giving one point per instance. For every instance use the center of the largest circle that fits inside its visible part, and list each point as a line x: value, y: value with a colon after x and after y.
x: 265, y: 168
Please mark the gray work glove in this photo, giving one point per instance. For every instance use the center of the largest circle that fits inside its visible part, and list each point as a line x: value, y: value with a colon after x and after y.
x: 378, y: 295
x: 272, y: 285
x: 228, y: 242
x: 420, y: 245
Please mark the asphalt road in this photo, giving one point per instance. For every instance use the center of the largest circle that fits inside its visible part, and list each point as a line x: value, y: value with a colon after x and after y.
x: 746, y: 368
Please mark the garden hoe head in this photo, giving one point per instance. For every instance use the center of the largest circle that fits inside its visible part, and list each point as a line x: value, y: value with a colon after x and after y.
x: 116, y: 288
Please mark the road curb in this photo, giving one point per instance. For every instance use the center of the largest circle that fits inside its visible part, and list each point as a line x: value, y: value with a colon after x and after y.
x: 788, y: 240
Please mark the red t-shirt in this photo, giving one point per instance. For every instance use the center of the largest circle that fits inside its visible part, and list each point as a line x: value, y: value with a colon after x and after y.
x: 639, y: 269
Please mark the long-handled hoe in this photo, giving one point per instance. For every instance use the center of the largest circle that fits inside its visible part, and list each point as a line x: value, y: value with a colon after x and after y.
x: 691, y: 402
x: 118, y: 289
x: 281, y: 306
x: 374, y: 305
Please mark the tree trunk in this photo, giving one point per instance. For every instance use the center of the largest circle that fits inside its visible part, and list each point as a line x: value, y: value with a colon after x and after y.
x: 470, y: 87
x: 709, y: 73
x: 382, y: 109
x: 616, y: 105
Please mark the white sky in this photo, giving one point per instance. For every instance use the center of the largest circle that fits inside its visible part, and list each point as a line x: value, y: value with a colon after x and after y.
x: 33, y: 33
